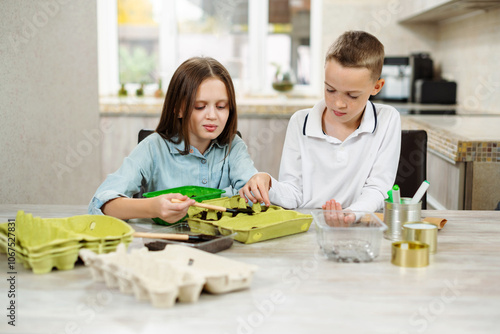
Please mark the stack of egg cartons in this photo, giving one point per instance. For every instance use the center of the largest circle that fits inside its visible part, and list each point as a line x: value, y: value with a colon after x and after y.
x: 42, y: 244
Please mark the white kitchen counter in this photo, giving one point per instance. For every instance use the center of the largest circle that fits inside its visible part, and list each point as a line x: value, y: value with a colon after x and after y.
x: 460, y: 137
x: 463, y: 160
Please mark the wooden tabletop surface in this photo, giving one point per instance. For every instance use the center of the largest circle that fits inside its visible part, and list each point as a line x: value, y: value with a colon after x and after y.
x: 294, y: 290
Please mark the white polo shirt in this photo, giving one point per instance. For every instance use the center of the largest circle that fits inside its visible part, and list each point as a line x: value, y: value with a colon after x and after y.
x: 356, y: 172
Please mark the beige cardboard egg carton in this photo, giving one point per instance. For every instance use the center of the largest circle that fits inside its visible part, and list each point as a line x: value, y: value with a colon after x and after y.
x: 163, y: 277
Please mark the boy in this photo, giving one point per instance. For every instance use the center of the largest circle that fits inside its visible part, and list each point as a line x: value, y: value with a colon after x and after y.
x: 343, y: 152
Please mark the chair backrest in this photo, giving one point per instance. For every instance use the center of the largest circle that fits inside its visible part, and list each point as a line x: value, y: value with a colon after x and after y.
x: 412, y: 169
x: 143, y: 133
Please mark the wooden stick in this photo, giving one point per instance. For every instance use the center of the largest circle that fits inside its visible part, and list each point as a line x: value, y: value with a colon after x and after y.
x: 166, y: 236
x: 202, y: 205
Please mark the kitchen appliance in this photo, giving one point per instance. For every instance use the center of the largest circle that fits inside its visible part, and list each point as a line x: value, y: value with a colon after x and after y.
x: 397, y: 75
x: 421, y: 68
x: 435, y: 91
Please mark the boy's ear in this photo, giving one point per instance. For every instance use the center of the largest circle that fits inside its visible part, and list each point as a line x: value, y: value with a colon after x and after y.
x: 378, y: 86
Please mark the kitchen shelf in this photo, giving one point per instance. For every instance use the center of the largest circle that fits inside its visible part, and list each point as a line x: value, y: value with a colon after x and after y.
x: 440, y: 10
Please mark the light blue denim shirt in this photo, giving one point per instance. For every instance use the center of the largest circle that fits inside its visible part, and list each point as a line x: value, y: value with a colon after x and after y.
x: 156, y: 164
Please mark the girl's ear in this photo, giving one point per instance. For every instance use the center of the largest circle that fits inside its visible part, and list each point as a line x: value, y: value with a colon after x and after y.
x: 378, y: 86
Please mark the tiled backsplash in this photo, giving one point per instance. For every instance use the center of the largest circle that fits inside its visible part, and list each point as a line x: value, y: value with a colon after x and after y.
x: 479, y: 151
x: 452, y: 144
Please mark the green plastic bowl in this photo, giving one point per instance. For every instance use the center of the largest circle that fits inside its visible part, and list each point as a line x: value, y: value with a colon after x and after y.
x: 197, y: 193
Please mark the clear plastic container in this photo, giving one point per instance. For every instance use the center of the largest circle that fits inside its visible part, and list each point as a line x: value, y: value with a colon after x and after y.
x: 347, y: 236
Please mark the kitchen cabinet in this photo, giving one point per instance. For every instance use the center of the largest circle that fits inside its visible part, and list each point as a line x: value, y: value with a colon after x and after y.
x: 433, y: 11
x: 463, y: 160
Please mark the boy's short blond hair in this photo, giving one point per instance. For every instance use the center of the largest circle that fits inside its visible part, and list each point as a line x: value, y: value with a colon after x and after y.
x: 358, y: 49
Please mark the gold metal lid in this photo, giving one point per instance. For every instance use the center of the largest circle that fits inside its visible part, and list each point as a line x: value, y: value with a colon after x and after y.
x: 421, y: 231
x: 410, y: 254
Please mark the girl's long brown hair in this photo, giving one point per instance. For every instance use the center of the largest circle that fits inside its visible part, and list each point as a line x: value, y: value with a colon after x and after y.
x: 181, y: 95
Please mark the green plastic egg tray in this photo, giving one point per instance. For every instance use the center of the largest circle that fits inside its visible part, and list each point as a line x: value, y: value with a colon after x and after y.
x: 197, y: 193
x: 266, y: 222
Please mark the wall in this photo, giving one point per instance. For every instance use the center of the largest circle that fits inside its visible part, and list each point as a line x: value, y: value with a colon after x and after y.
x: 469, y: 53
x: 465, y: 49
x: 378, y: 18
x: 49, y: 102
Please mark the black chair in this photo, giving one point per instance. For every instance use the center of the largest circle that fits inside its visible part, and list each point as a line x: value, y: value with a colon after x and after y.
x: 412, y: 169
x: 143, y: 133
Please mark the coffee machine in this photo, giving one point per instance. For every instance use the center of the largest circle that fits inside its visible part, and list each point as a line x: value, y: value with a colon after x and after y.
x: 397, y: 75
x: 422, y: 68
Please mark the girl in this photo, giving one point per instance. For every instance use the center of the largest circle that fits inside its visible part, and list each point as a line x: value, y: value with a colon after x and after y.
x: 194, y: 144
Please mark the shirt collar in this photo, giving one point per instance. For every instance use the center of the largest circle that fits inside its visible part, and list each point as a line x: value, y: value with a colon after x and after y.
x: 369, y: 120
x: 314, y: 128
x: 178, y: 148
x: 314, y: 119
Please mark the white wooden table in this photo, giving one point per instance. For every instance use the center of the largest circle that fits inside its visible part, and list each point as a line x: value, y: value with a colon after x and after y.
x: 295, y: 290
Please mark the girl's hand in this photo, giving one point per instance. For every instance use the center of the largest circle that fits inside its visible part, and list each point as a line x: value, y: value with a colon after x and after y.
x: 163, y: 208
x: 257, y: 189
x: 334, y: 216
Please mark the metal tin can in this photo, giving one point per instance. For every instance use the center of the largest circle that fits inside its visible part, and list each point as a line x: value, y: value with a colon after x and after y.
x: 410, y: 254
x: 423, y: 232
x: 396, y: 214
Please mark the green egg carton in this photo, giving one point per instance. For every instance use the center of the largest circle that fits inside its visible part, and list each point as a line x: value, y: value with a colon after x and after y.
x: 264, y: 224
x: 99, y: 228
x: 42, y: 244
x: 62, y: 261
x: 34, y: 236
x: 197, y: 193
x: 39, y: 235
x: 108, y: 247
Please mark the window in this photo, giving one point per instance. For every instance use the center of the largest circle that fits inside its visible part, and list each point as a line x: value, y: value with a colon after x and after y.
x: 138, y: 32
x: 251, y: 38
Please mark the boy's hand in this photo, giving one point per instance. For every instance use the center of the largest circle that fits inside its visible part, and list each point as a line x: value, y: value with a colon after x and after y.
x: 336, y: 217
x: 171, y: 212
x: 257, y: 189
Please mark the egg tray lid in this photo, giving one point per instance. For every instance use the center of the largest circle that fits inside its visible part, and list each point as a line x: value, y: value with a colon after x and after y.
x: 35, y: 234
x: 264, y: 224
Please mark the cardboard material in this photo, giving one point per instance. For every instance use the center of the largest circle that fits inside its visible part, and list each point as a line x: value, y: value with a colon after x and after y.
x: 162, y: 277
x: 264, y: 224
x: 42, y: 244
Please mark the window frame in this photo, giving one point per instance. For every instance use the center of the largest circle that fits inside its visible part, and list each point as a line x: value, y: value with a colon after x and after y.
x: 258, y: 11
